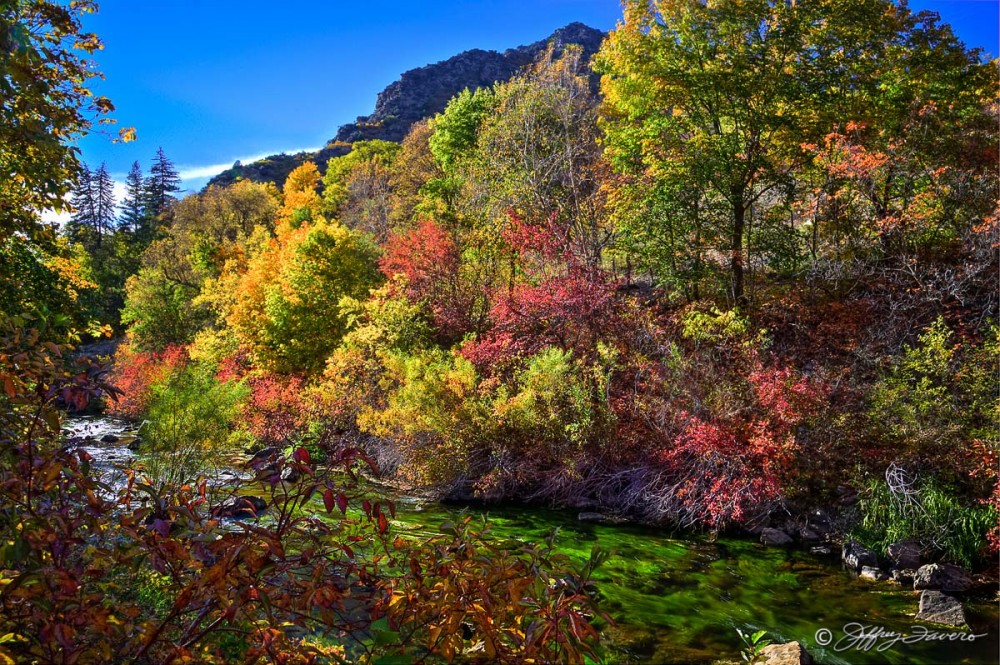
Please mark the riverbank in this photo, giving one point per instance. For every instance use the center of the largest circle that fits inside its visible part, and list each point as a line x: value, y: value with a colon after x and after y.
x: 681, y: 598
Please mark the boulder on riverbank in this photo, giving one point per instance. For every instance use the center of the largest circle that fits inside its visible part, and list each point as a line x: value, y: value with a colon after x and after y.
x: 938, y: 607
x: 856, y: 556
x: 790, y: 653
x: 775, y: 538
x: 905, y: 554
x: 872, y: 573
x: 941, y: 577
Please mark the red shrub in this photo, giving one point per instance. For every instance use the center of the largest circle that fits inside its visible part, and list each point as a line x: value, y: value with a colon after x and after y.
x: 729, y: 467
x: 274, y: 410
x: 135, y: 372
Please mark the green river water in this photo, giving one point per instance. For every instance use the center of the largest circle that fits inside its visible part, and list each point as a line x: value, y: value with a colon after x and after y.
x: 680, y: 599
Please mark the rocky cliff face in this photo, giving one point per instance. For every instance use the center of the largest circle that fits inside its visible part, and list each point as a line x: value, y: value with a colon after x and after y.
x: 418, y: 94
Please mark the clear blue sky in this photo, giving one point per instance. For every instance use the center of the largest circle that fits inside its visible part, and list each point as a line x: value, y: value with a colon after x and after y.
x: 213, y: 81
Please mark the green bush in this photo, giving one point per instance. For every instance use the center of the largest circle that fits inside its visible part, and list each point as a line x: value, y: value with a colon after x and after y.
x: 926, y: 512
x: 188, y: 429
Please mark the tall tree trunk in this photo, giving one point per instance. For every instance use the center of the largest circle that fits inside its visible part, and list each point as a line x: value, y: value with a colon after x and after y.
x: 736, y: 257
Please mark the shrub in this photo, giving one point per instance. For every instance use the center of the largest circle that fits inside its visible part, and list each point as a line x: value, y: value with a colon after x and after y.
x: 903, y: 507
x: 190, y: 417
x: 136, y: 372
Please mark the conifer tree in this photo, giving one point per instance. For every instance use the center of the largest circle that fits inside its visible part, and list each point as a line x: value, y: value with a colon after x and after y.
x: 161, y: 184
x: 80, y: 226
x: 94, y: 202
x: 103, y: 187
x: 133, y: 210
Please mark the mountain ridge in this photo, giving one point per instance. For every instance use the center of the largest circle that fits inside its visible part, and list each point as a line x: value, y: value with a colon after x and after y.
x: 417, y: 94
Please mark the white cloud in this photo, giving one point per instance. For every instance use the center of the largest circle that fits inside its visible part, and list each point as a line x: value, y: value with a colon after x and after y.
x: 200, y: 172
x: 53, y: 217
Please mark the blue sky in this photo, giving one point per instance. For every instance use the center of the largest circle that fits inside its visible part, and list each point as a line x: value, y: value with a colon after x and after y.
x: 213, y: 81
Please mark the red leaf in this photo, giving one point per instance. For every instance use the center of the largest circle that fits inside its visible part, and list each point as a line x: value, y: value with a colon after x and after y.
x: 383, y: 523
x: 342, y: 503
x: 302, y: 455
x: 328, y: 500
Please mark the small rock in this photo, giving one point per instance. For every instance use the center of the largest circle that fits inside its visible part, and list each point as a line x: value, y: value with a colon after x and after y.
x: 856, y: 556
x: 938, y: 607
x: 942, y: 577
x: 871, y: 573
x: 790, y: 653
x: 134, y: 444
x: 905, y: 554
x: 775, y: 537
x: 822, y: 550
x: 808, y: 535
x: 820, y: 522
x: 241, y: 508
x: 110, y: 438
x: 904, y: 577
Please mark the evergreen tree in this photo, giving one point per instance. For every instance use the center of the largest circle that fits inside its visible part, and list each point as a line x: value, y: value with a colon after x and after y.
x: 80, y: 227
x: 161, y: 184
x: 133, y: 210
x: 103, y: 188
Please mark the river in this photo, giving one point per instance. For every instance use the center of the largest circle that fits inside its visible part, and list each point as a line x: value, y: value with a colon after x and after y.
x: 681, y: 599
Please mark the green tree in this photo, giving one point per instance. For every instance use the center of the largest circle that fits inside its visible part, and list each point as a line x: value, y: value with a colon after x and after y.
x: 711, y: 108
x: 456, y: 130
x: 701, y: 94
x: 94, y: 202
x: 288, y: 306
x: 44, y: 77
x: 158, y: 193
x: 133, y: 211
x: 356, y: 187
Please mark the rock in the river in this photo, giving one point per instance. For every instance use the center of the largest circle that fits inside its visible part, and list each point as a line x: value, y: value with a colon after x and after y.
x: 790, y: 653
x: 905, y: 554
x: 938, y: 607
x: 775, y: 537
x: 942, y: 577
x: 109, y: 438
x: 241, y: 508
x: 856, y: 556
x: 872, y: 573
x: 821, y: 550
x: 135, y: 444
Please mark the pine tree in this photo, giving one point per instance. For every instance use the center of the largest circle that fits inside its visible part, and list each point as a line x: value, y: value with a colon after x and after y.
x: 162, y: 182
x: 103, y: 188
x: 80, y: 227
x: 133, y: 210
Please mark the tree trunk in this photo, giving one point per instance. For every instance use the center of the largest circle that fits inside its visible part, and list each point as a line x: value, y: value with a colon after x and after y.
x: 736, y: 257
